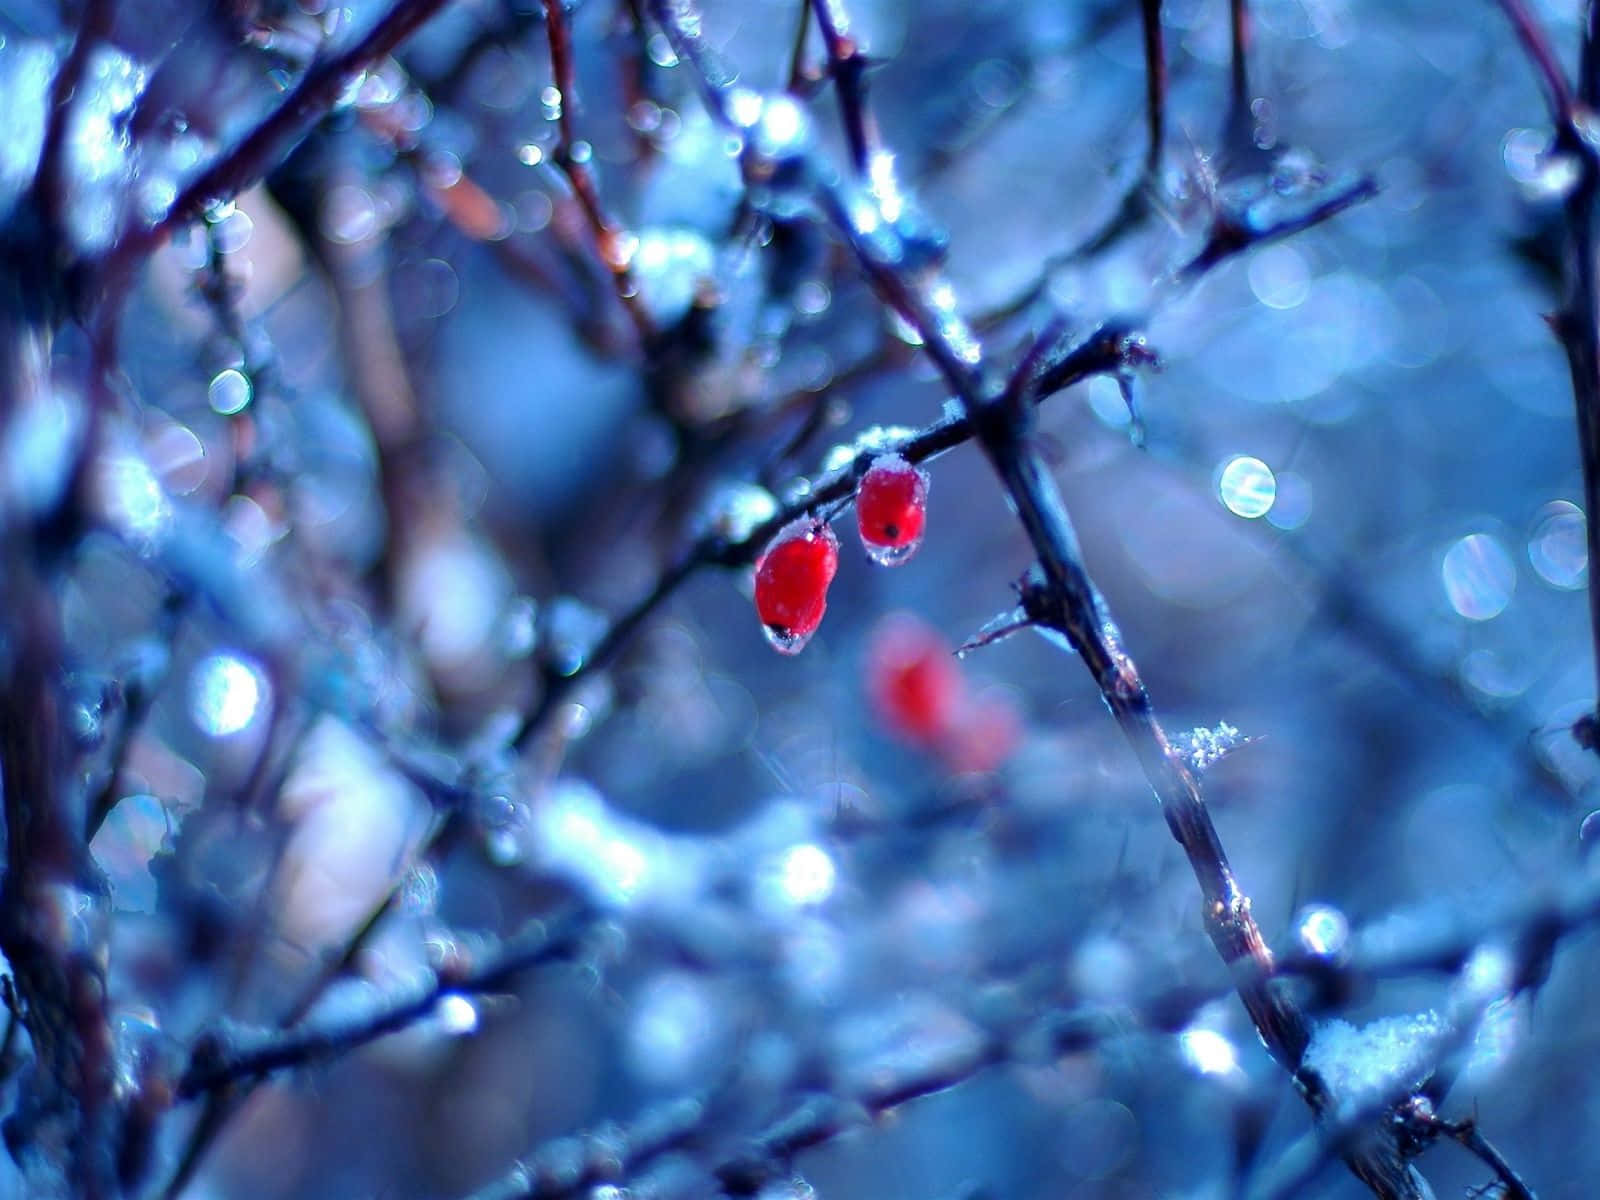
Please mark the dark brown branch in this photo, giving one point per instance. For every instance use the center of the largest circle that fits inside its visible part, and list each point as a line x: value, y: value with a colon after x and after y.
x: 1577, y: 324
x: 52, y: 903
x: 1233, y: 233
x: 271, y: 140
x: 1155, y: 83
x: 847, y: 67
x: 611, y: 243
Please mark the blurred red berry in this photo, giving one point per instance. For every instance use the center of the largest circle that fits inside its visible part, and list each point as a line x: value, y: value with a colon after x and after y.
x: 891, y: 509
x: 918, y: 693
x: 792, y: 579
x: 913, y: 682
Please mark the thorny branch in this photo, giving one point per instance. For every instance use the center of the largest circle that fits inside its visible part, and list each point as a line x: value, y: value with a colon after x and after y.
x: 1577, y: 323
x: 1067, y: 599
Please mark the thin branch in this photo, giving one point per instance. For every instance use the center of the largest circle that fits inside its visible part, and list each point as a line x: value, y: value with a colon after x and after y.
x: 1239, y: 112
x: 847, y: 67
x: 1155, y: 84
x: 215, y: 1065
x: 1577, y: 324
x: 1232, y: 233
x: 611, y: 243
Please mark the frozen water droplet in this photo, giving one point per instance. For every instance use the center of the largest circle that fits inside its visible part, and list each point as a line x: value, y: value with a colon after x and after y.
x: 883, y: 186
x: 903, y: 330
x: 225, y: 694
x: 785, y: 641
x: 1559, y: 549
x: 1323, y: 930
x: 1247, y: 486
x: 1589, y: 830
x: 1479, y: 577
x: 891, y: 556
x: 994, y: 630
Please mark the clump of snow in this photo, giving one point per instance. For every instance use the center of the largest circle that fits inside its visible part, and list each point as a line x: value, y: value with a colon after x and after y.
x: 1201, y: 746
x: 1387, y: 1056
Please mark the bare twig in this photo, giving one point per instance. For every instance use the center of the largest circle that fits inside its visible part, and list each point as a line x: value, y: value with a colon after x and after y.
x: 214, y: 1064
x: 611, y: 243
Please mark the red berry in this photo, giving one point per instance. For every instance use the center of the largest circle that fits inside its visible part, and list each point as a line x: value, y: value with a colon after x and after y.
x: 891, y: 509
x: 792, y: 580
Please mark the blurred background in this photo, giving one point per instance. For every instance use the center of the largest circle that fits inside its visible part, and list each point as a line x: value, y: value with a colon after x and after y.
x: 391, y: 448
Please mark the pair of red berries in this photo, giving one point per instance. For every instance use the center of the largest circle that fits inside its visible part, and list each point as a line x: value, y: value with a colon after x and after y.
x: 793, y: 575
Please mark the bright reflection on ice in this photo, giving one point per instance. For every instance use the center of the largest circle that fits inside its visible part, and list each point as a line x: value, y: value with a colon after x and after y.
x: 1208, y: 1051
x: 132, y: 497
x: 614, y: 860
x: 1323, y: 930
x: 807, y: 875
x: 885, y: 190
x: 25, y: 71
x: 456, y: 1014
x: 736, y: 509
x: 1559, y: 549
x: 1479, y: 577
x: 225, y: 693
x: 673, y: 1025
x: 1247, y: 486
x: 229, y: 392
